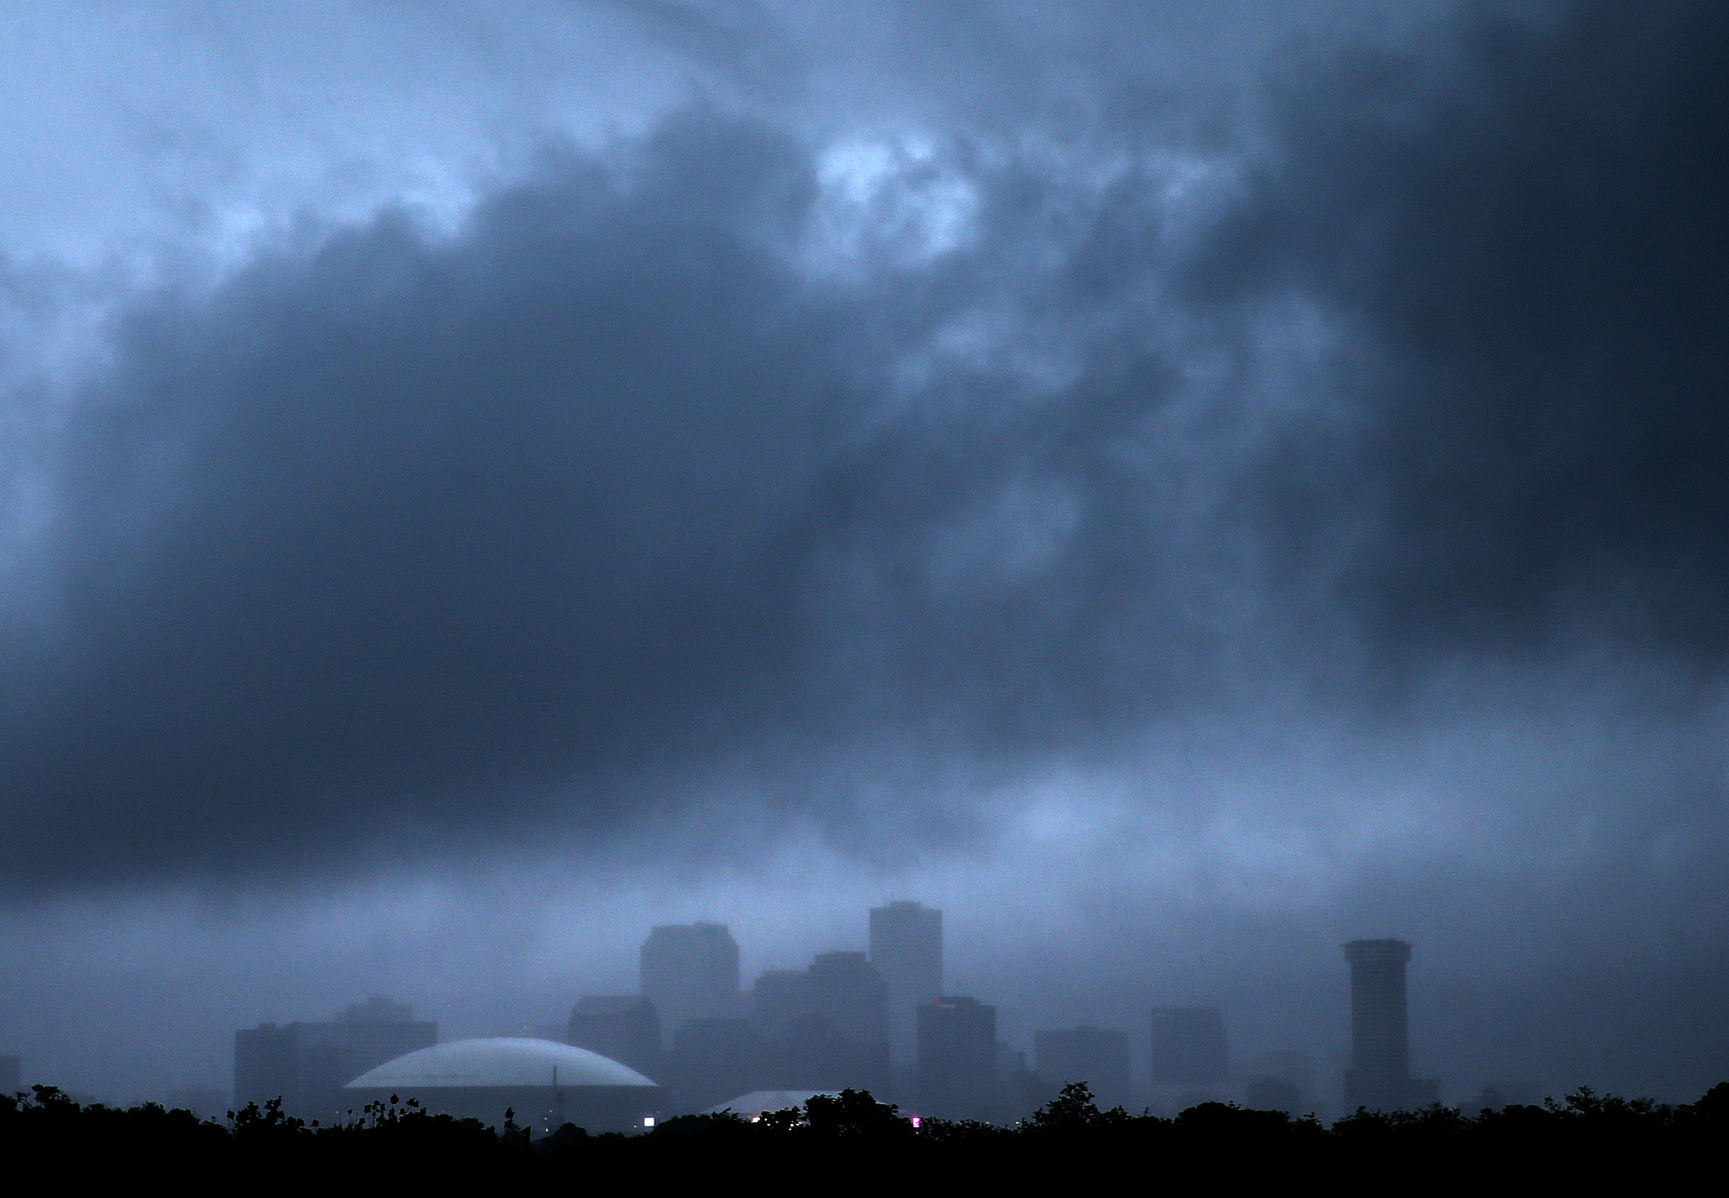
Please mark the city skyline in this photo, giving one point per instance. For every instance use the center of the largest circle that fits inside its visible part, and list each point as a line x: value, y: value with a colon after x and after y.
x: 1188, y: 1061
x: 960, y: 1067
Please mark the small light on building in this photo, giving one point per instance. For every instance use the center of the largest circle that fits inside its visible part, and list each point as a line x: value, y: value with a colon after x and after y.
x: 647, y: 1122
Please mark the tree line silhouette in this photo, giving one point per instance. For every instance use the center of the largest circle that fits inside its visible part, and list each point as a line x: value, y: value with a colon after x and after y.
x: 851, y: 1139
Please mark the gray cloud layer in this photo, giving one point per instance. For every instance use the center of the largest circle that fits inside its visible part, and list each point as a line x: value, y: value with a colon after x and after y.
x: 1525, y: 246
x: 399, y: 537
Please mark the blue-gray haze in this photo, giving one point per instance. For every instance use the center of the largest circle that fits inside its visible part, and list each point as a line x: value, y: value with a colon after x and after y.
x: 1177, y: 486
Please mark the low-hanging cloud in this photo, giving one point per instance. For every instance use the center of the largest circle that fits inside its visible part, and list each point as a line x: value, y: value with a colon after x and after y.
x: 400, y: 536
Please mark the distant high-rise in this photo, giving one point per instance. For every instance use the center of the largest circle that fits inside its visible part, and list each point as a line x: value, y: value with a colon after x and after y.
x: 957, y: 1058
x: 690, y: 972
x: 712, y: 1059
x: 1380, y: 1074
x: 267, y: 1065
x: 624, y: 1027
x: 1282, y: 1079
x: 826, y: 1027
x: 906, y: 947
x: 848, y: 994
x: 1189, y: 1047
x: 780, y: 1001
x: 307, y: 1064
x: 1093, y: 1055
x: 379, y: 1030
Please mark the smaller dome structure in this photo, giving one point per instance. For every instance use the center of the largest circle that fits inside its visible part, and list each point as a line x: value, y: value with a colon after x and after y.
x: 544, y: 1082
x: 757, y: 1103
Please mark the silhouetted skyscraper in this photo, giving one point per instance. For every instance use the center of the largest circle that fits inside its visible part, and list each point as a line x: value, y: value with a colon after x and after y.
x: 1189, y: 1047
x: 624, y: 1027
x: 712, y: 1059
x: 307, y: 1064
x: 690, y: 972
x: 906, y: 947
x: 379, y: 1030
x: 267, y: 1065
x: 780, y: 1001
x: 849, y: 995
x: 826, y: 1027
x: 1092, y: 1055
x: 1380, y: 1074
x: 957, y: 1040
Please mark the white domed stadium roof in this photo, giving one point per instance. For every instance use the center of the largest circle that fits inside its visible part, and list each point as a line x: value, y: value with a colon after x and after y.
x: 498, y: 1062
x: 757, y: 1103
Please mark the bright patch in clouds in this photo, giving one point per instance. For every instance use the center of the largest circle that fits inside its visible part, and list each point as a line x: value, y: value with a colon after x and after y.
x: 898, y: 204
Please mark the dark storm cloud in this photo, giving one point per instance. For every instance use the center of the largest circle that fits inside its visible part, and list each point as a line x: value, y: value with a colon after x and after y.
x: 613, y: 498
x: 1520, y: 232
x: 394, y: 539
x: 396, y: 532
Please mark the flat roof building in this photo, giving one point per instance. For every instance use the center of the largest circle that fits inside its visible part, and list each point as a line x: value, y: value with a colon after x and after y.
x: 906, y: 947
x: 624, y: 1027
x: 957, y: 1058
x: 690, y: 972
x: 1189, y: 1047
x: 306, y: 1063
x: 1096, y: 1056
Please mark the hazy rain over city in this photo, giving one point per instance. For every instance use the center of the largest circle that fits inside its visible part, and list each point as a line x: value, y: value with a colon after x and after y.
x: 1176, y: 486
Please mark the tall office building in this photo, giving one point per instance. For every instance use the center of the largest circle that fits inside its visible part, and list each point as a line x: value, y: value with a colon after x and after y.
x: 906, y: 947
x: 1189, y: 1047
x: 826, y: 1027
x: 624, y: 1027
x: 690, y: 972
x: 379, y: 1030
x: 780, y: 1001
x: 1380, y: 1074
x: 957, y: 1058
x: 848, y: 994
x: 712, y: 1059
x: 1093, y: 1055
x: 267, y: 1065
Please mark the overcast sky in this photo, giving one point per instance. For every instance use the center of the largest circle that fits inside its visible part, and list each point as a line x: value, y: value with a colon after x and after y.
x: 1176, y: 485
